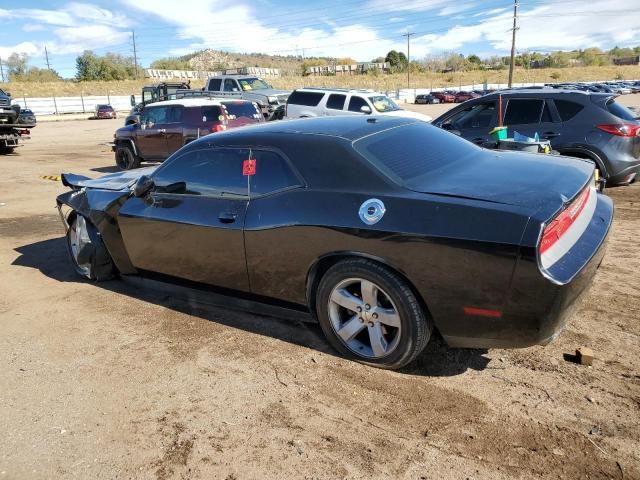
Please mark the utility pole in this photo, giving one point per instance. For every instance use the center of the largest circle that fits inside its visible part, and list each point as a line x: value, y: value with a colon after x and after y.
x: 1, y: 70
x: 513, y: 42
x: 135, y: 55
x: 46, y: 55
x: 408, y: 35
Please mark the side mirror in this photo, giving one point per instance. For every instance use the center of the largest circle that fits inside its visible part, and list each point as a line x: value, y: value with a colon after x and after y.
x: 365, y: 109
x: 142, y: 186
x: 132, y: 100
x: 8, y: 94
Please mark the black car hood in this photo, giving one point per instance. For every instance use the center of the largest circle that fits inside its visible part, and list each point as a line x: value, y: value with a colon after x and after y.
x: 526, y: 180
x: 112, y: 181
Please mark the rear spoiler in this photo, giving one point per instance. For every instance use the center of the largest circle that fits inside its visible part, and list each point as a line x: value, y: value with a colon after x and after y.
x: 72, y: 180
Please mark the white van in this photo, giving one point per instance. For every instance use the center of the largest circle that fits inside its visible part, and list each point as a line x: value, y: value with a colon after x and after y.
x: 321, y: 102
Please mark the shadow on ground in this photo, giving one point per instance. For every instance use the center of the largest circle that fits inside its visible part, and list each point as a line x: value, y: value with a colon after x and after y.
x: 50, y: 258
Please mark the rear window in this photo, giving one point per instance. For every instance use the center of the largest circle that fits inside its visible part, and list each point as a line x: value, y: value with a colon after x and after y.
x: 567, y: 109
x: 336, y: 101
x: 241, y: 109
x: 409, y: 153
x: 619, y: 110
x: 215, y: 84
x: 308, y: 99
x: 211, y: 114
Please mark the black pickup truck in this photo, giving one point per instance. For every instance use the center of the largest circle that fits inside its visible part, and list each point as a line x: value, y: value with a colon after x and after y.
x: 8, y: 113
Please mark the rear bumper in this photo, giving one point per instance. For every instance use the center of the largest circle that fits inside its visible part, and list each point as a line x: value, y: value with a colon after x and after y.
x: 540, y: 305
x: 627, y: 172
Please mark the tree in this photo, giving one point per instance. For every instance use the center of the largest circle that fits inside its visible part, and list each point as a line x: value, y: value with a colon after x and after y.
x: 35, y: 74
x: 474, y: 60
x: 397, y: 60
x: 110, y: 67
x: 16, y: 65
x: 378, y: 60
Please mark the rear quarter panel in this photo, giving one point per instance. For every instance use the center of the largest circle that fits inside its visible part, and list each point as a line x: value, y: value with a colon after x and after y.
x: 455, y: 252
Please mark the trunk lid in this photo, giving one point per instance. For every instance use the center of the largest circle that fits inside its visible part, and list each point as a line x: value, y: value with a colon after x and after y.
x: 532, y: 181
x: 112, y: 181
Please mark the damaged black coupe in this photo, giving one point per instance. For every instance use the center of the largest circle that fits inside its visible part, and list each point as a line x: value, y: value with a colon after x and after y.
x: 384, y: 228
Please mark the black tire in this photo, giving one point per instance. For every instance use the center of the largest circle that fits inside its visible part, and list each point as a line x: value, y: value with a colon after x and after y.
x: 125, y: 158
x: 6, y: 150
x: 416, y: 325
x: 96, y: 262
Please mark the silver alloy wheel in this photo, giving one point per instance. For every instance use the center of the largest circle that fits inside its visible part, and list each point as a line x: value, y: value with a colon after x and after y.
x: 364, y: 318
x: 78, y: 238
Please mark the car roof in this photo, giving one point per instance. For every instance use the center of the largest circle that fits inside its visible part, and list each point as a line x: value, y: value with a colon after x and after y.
x: 190, y: 102
x: 547, y: 92
x: 350, y: 128
x: 339, y: 90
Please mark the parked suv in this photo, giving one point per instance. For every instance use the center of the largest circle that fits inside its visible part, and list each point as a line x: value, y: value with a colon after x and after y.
x: 578, y: 124
x: 254, y: 89
x: 105, y: 111
x: 166, y: 126
x: 319, y: 102
x: 8, y: 113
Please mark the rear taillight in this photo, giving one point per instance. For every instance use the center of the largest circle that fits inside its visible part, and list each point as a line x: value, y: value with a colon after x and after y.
x: 558, y: 227
x: 621, y: 129
x: 218, y: 128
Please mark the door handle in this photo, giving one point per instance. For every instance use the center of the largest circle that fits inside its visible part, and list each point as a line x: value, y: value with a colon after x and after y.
x: 227, y: 217
x: 550, y: 134
x: 162, y: 130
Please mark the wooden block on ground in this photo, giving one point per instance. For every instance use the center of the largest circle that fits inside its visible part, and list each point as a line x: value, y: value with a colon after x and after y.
x: 584, y: 356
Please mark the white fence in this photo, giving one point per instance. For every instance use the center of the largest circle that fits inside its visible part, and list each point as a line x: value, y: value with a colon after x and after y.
x: 60, y: 105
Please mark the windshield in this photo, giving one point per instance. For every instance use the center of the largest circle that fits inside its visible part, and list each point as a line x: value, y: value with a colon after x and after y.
x: 412, y: 153
x: 382, y: 103
x: 248, y: 84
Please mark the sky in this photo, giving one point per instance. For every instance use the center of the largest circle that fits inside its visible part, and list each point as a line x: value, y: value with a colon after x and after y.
x: 360, y: 29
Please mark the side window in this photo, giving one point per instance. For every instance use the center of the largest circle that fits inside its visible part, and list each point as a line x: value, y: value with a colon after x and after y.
x: 308, y: 99
x: 336, y: 101
x: 146, y: 96
x: 175, y: 114
x: 522, y: 111
x: 356, y: 103
x: 272, y: 173
x: 155, y: 115
x: 230, y: 85
x: 213, y: 172
x: 214, y: 84
x: 479, y: 115
x: 567, y: 109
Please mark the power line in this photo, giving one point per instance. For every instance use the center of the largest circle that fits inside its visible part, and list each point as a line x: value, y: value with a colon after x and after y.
x: 513, y: 42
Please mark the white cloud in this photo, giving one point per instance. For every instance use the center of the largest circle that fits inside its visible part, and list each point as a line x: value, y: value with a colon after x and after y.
x: 75, y: 27
x: 452, y: 9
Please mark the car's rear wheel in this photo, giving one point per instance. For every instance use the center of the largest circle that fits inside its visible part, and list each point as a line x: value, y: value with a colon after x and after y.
x: 125, y: 158
x: 88, y: 253
x: 370, y: 314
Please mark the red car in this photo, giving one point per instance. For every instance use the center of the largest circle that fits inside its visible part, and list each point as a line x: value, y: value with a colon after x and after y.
x: 105, y: 111
x: 464, y: 96
x: 444, y: 97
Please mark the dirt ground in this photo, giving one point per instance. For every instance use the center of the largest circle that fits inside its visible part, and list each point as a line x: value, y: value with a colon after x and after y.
x: 132, y: 379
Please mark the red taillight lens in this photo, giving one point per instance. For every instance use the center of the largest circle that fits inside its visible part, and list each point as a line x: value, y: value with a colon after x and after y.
x: 554, y: 231
x: 218, y: 128
x: 621, y: 129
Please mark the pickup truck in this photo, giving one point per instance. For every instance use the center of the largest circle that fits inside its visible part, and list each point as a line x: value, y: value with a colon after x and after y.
x: 8, y: 113
x: 272, y: 102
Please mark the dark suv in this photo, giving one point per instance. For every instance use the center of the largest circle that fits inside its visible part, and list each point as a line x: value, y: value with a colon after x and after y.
x: 8, y: 113
x: 578, y: 124
x: 164, y: 127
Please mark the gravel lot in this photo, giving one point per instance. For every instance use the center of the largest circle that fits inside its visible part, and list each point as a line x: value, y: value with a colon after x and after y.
x: 131, y: 379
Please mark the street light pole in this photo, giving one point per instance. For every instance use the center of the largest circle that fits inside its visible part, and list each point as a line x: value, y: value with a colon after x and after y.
x: 513, y: 42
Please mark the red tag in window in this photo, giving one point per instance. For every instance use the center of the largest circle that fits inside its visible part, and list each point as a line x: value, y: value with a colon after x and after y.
x: 249, y: 167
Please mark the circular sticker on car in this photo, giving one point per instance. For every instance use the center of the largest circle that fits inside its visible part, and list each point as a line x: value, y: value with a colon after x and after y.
x: 372, y: 211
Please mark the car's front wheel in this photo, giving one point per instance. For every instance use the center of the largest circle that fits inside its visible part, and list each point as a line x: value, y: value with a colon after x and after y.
x: 125, y: 158
x: 88, y: 253
x: 370, y: 314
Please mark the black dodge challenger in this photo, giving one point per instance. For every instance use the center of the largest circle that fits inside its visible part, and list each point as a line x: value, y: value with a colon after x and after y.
x: 384, y: 228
